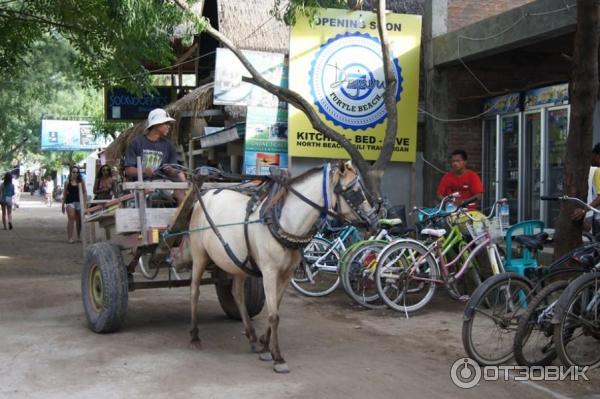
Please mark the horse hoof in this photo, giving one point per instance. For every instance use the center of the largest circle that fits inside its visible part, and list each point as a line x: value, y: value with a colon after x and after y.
x: 265, y: 357
x: 281, y: 368
x: 196, y: 344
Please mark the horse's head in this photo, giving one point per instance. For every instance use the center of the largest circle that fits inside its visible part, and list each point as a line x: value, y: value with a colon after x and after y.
x: 354, y: 201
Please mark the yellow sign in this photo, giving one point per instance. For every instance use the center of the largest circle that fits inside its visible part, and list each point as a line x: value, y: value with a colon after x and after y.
x: 337, y: 65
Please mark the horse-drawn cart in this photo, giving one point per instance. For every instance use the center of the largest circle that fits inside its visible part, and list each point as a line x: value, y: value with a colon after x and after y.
x: 120, y: 235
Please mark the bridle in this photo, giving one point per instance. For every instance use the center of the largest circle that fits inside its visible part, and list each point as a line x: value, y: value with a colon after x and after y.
x: 355, y: 194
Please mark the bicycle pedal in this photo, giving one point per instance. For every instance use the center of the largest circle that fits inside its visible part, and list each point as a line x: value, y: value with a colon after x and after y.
x: 464, y: 298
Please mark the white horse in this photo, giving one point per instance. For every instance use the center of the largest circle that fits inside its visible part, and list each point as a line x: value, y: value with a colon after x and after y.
x: 327, y: 188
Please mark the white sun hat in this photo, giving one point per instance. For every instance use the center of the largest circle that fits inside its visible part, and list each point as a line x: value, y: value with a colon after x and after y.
x: 158, y: 116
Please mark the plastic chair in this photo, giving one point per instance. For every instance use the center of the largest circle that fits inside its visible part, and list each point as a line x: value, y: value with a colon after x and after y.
x: 527, y: 260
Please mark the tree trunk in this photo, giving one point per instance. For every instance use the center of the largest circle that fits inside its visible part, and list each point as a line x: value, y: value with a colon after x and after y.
x: 583, y: 95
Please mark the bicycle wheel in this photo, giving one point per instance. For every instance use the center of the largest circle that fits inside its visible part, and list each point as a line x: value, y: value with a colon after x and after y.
x: 491, y: 316
x: 533, y: 344
x: 144, y: 266
x: 577, y: 333
x: 405, y: 276
x: 358, y: 273
x: 317, y: 274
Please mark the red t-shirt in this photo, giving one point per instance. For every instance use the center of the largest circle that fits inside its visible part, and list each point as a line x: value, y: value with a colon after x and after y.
x: 467, y: 185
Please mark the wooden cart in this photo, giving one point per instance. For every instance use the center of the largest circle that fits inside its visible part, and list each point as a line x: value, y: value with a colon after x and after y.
x: 116, y: 233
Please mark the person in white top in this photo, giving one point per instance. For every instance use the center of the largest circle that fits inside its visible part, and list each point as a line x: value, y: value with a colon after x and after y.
x: 593, y: 190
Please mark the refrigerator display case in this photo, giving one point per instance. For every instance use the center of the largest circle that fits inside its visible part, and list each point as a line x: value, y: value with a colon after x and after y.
x: 528, y: 156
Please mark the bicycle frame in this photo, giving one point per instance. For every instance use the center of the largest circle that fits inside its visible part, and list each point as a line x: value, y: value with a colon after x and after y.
x: 337, y: 244
x: 437, y: 247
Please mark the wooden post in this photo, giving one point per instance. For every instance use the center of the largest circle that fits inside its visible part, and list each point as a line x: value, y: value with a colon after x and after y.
x: 141, y: 201
x: 82, y: 205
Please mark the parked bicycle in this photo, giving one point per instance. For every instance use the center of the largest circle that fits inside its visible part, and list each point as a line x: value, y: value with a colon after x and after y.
x: 409, y: 271
x: 508, y: 314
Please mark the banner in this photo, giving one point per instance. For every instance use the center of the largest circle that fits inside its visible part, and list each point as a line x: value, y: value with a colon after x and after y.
x: 505, y: 104
x: 121, y: 105
x: 547, y: 96
x: 266, y: 140
x: 62, y: 135
x: 229, y: 88
x: 337, y: 64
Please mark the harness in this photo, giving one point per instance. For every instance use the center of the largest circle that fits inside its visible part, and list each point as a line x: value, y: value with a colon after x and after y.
x: 270, y: 197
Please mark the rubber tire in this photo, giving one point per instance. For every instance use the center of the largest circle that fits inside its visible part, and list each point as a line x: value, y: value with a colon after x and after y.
x: 479, y: 299
x: 105, y: 258
x: 564, y: 302
x: 346, y: 264
x: 434, y: 275
x: 524, y: 329
x: 255, y: 295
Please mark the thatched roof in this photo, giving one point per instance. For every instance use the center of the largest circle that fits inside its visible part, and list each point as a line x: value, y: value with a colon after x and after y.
x: 197, y: 100
x: 249, y: 25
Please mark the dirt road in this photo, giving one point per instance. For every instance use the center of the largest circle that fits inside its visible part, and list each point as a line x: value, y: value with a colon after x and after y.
x: 334, y: 349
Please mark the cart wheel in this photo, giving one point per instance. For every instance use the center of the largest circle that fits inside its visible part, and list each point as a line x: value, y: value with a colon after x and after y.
x: 255, y: 295
x: 104, y: 288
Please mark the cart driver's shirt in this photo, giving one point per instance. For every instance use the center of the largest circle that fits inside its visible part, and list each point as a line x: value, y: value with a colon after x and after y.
x: 466, y: 185
x: 154, y: 154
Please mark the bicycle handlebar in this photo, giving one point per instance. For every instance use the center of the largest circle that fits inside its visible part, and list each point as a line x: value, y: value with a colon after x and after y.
x: 567, y: 198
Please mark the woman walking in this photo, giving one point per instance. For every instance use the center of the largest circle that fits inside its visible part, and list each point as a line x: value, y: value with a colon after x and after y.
x: 72, y: 203
x: 104, y: 187
x: 7, y: 190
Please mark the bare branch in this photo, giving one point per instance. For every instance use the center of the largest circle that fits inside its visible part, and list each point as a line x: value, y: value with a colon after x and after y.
x: 284, y: 94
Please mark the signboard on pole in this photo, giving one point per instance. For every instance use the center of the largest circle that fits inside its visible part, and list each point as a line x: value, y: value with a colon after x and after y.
x: 266, y: 140
x: 64, y: 135
x: 121, y: 105
x: 337, y: 64
x: 229, y: 88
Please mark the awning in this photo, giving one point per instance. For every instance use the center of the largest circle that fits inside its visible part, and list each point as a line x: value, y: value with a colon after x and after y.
x: 223, y: 136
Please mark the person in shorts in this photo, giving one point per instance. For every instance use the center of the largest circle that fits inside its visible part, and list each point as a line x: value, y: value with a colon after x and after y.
x: 71, y: 203
x: 7, y: 190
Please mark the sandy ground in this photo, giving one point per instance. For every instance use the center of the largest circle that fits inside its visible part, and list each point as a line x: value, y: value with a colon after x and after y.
x: 334, y: 349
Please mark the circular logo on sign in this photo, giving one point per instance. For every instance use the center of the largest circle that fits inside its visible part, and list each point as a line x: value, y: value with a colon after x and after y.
x: 347, y: 81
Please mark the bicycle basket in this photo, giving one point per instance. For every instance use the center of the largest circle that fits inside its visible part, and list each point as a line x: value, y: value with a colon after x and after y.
x: 466, y: 224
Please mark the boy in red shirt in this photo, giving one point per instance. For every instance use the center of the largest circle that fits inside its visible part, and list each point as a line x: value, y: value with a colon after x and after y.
x: 462, y: 180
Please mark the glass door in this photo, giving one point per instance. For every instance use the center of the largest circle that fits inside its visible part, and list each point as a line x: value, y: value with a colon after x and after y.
x: 509, y: 163
x: 489, y: 157
x: 532, y: 166
x: 557, y: 122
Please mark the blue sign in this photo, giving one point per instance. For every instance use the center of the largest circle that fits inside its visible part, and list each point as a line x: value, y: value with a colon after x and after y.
x: 121, y: 105
x: 64, y: 135
x: 347, y: 81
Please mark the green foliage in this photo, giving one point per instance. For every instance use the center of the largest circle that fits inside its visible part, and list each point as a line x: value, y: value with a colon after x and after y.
x: 289, y: 10
x: 45, y: 86
x: 111, y: 39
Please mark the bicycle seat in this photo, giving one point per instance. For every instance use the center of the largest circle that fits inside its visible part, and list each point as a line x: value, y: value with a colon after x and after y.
x: 390, y: 222
x: 434, y: 232
x: 532, y: 242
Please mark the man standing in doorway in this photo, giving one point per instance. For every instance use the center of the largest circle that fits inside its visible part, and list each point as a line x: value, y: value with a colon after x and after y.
x: 155, y: 151
x: 461, y: 180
